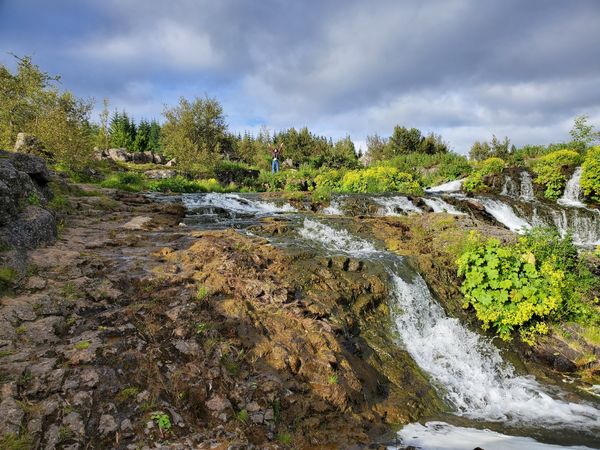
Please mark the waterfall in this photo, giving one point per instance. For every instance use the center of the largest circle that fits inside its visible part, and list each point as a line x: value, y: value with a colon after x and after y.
x: 397, y: 205
x: 451, y: 186
x: 573, y: 191
x: 232, y: 203
x: 467, y: 369
x: 526, y: 193
x: 334, y: 208
x: 440, y: 206
x: 504, y: 214
x: 509, y: 187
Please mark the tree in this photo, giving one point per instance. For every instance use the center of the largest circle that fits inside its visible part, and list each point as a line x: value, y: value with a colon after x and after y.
x: 121, y: 131
x: 154, y: 137
x: 432, y: 144
x: 500, y: 149
x: 142, y: 137
x: 102, y: 136
x: 480, y: 151
x: 404, y: 141
x: 376, y: 148
x: 31, y: 102
x: 342, y: 154
x: 193, y: 132
x: 583, y: 134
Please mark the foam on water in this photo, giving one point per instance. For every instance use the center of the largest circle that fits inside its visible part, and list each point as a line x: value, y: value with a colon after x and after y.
x: 442, y: 436
x: 339, y: 241
x: 439, y: 206
x: 334, y: 208
x: 470, y: 371
x: 504, y: 214
x: 573, y: 191
x: 451, y: 186
x: 391, y: 205
x: 233, y: 203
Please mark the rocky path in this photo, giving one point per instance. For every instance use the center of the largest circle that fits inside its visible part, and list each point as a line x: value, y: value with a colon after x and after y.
x: 134, y: 332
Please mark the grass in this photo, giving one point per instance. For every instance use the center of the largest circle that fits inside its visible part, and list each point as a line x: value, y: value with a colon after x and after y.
x: 8, y: 276
x: 83, y: 345
x: 125, y: 181
x: 127, y: 394
x: 4, y: 353
x: 34, y: 199
x: 202, y: 328
x: 284, y: 438
x: 333, y: 379
x: 70, y: 291
x: 243, y: 416
x: 201, y: 293
x: 11, y: 441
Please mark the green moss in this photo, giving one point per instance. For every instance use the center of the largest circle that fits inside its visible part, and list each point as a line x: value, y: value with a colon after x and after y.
x: 127, y: 394
x: 11, y: 441
x: 83, y: 345
x: 8, y: 277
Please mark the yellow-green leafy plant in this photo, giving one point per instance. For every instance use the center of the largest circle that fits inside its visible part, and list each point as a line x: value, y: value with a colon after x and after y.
x: 476, y: 181
x: 551, y: 171
x: 590, y: 176
x: 379, y: 179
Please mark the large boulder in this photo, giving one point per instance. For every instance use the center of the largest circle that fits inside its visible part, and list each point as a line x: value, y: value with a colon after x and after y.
x: 119, y: 154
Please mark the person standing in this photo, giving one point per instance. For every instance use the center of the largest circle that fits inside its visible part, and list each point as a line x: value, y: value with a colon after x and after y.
x: 276, y: 155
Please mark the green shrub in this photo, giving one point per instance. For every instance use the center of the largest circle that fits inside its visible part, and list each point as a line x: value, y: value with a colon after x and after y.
x: 379, y: 179
x: 432, y: 169
x: 523, y: 286
x: 162, y: 420
x: 8, y: 276
x: 476, y: 181
x: 180, y: 184
x: 551, y: 171
x: 590, y: 177
x: 124, y: 181
x: 329, y: 180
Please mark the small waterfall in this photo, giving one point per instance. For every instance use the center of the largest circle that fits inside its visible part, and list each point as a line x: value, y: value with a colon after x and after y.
x: 527, y: 192
x: 509, y: 187
x: 334, y: 208
x: 440, y: 206
x: 573, y: 191
x: 504, y: 214
x: 451, y: 186
x: 397, y: 205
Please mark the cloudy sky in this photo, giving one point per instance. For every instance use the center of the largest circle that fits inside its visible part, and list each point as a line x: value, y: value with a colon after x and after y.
x: 461, y: 68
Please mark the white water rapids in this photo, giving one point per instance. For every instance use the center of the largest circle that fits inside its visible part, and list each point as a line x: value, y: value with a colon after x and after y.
x: 466, y: 369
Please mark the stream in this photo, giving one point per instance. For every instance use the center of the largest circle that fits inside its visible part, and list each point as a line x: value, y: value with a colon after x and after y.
x: 490, y: 405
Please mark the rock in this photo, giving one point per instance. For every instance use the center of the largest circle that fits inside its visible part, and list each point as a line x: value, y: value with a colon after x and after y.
x: 12, y: 416
x: 126, y: 425
x: 189, y: 347
x: 28, y: 143
x: 159, y: 159
x: 119, y: 154
x: 107, y: 425
x: 171, y: 163
x: 160, y: 174
x: 74, y: 423
x: 35, y: 226
x: 137, y: 223
x: 44, y: 331
x: 218, y: 404
x: 35, y: 283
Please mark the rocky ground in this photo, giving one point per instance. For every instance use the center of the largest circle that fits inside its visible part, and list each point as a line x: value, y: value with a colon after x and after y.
x: 134, y: 332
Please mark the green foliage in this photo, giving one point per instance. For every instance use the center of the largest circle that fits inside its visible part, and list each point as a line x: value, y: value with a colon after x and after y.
x: 125, y: 181
x: 31, y: 102
x: 8, y: 276
x: 476, y: 181
x: 122, y: 131
x: 333, y: 379
x: 243, y: 416
x: 551, y: 171
x: 194, y: 132
x: 583, y: 133
x: 162, y: 420
x: 481, y: 151
x: 201, y: 293
x: 34, y: 199
x: 523, y: 286
x: 202, y: 328
x: 590, y: 177
x: 404, y: 141
x: 432, y: 169
x: 379, y: 179
x: 127, y: 394
x: 285, y: 438
x: 11, y: 441
x: 83, y: 345
x: 181, y: 184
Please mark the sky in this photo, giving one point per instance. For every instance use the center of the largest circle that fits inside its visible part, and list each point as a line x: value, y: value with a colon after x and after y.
x: 465, y: 69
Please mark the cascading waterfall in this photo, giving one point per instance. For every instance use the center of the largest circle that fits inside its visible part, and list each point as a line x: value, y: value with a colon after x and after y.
x: 573, y: 191
x: 504, y: 214
x: 440, y: 206
x: 396, y: 205
x: 527, y: 192
x: 232, y: 203
x: 451, y: 186
x: 467, y: 368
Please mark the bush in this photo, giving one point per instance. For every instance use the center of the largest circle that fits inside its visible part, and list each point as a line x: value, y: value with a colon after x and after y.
x: 180, y: 184
x: 551, y: 171
x: 125, y: 181
x: 590, y: 177
x: 476, y: 182
x: 524, y: 285
x: 433, y: 169
x: 379, y: 179
x: 329, y: 180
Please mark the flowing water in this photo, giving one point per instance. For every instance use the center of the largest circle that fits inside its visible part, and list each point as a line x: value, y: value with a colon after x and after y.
x: 573, y: 191
x: 480, y: 388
